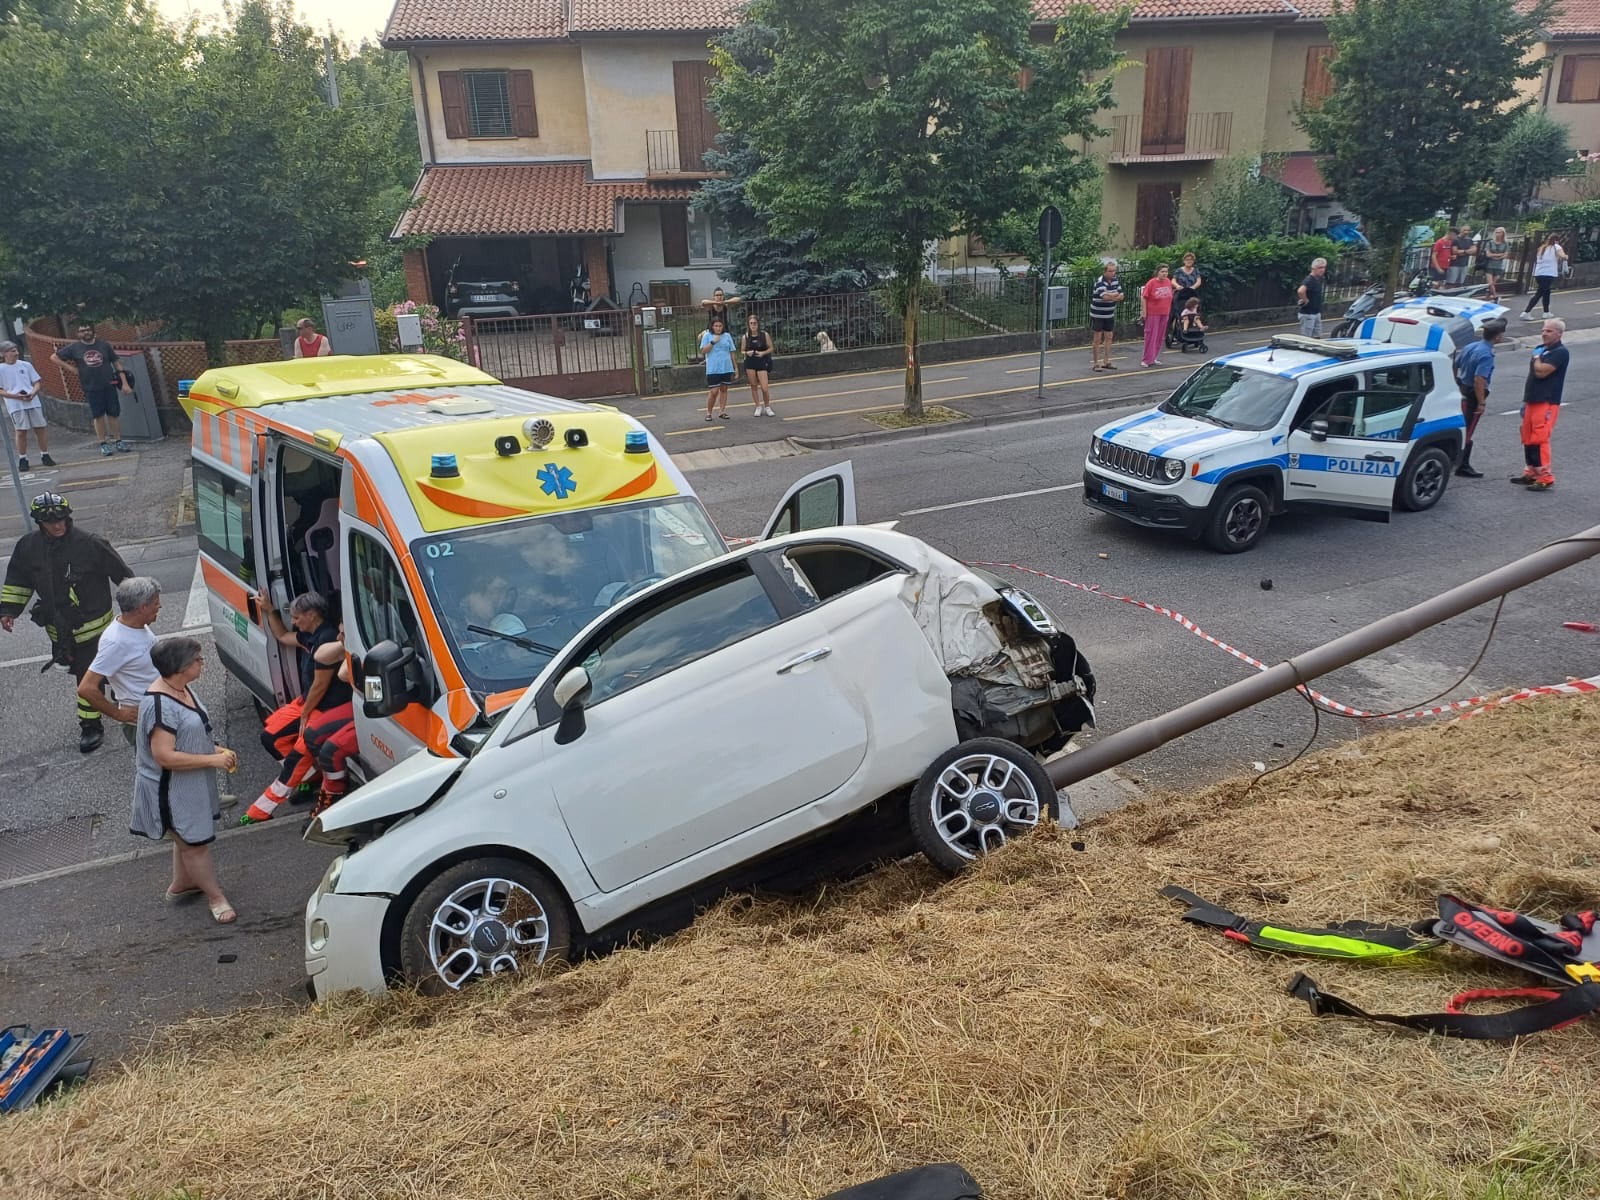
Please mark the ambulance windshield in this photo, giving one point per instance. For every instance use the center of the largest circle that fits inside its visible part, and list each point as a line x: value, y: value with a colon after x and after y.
x: 506, y: 592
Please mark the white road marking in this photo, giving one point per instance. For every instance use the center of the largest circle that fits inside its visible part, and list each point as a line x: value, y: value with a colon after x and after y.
x: 199, y: 607
x: 917, y: 512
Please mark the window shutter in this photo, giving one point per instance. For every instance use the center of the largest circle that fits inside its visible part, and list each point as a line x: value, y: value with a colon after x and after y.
x: 525, y: 117
x: 1569, y: 70
x: 453, y: 99
x: 675, y: 236
x: 1318, y: 82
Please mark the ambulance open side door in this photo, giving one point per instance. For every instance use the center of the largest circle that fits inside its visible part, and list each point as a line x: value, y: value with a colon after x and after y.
x: 378, y: 611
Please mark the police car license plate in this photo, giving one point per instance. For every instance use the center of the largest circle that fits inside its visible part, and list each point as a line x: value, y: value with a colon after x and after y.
x: 1115, y: 493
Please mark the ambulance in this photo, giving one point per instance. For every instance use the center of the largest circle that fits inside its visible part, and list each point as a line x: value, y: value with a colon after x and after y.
x: 463, y: 530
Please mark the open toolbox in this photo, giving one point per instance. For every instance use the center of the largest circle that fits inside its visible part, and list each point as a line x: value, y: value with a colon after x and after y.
x: 31, y: 1063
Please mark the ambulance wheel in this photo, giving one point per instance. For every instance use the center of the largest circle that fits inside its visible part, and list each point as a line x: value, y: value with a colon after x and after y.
x: 1425, y: 479
x: 1239, y: 520
x: 974, y: 798
x: 488, y: 916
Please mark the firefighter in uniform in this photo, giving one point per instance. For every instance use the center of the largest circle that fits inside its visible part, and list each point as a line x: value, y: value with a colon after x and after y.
x: 69, y: 575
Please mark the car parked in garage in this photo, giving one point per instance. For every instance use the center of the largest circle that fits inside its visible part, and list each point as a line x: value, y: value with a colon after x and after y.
x: 702, y: 725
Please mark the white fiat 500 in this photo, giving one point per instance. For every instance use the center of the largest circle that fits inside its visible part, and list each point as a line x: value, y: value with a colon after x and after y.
x: 698, y: 728
x: 1337, y: 425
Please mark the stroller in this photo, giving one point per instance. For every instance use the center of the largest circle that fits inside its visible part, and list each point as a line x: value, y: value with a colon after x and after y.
x: 1191, y: 337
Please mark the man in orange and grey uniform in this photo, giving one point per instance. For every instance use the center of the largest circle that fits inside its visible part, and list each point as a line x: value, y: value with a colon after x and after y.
x: 1474, y: 370
x: 1541, y: 404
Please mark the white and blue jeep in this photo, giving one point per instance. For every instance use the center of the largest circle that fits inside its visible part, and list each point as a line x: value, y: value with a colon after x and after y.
x: 1350, y: 426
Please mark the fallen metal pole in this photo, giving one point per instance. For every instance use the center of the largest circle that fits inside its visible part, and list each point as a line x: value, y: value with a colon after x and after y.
x: 1341, y: 652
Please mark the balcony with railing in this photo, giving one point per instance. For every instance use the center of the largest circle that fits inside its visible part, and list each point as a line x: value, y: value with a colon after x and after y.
x: 670, y: 155
x: 1200, y: 137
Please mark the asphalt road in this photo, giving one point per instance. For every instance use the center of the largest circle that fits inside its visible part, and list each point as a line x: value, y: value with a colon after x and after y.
x: 97, y: 948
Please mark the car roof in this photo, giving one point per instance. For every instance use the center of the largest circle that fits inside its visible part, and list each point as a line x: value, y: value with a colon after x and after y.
x: 1342, y: 354
x: 1439, y: 308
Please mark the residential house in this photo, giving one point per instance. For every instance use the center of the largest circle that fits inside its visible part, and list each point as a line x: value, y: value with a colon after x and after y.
x: 562, y: 133
x: 1569, y: 86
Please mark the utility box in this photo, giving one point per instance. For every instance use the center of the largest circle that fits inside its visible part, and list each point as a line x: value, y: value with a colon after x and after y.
x: 1055, y: 304
x: 348, y: 321
x: 140, y: 420
x: 409, y: 328
x: 658, y: 348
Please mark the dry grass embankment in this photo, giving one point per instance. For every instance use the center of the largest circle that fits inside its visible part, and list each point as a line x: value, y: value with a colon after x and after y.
x: 1045, y: 1020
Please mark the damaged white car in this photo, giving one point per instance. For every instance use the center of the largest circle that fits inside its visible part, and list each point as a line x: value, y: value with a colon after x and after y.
x: 697, y: 729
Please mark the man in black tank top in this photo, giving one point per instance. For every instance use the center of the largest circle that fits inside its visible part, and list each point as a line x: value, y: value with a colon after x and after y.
x: 283, y: 734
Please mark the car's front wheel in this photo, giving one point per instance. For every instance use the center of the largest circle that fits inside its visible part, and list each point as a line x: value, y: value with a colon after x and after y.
x: 480, y: 918
x: 1424, y: 481
x: 976, y: 797
x: 1239, y: 520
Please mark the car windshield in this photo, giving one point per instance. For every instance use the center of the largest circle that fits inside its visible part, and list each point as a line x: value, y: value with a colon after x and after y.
x: 511, y: 595
x: 1231, y: 395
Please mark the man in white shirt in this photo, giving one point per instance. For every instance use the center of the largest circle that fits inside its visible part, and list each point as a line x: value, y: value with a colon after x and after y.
x: 123, y: 659
x: 19, y: 386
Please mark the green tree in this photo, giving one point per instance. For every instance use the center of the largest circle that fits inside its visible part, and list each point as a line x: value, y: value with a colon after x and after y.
x: 1423, y: 92
x: 1239, y: 201
x: 1016, y: 234
x: 883, y: 126
x: 765, y: 264
x: 193, y: 176
x: 1535, y: 149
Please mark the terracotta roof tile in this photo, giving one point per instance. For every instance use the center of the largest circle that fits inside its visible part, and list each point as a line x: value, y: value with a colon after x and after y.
x: 475, y: 21
x: 1167, y: 10
x: 525, y: 200
x: 653, y: 16
x: 1575, y: 18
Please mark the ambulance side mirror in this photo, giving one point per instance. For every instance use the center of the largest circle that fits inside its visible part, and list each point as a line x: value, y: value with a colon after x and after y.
x: 384, y: 689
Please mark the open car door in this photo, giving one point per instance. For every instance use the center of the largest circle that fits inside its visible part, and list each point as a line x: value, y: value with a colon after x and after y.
x: 819, y: 500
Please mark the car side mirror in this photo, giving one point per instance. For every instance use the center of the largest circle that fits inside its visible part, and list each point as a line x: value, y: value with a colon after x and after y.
x: 570, y: 692
x: 384, y: 689
x: 1318, y: 430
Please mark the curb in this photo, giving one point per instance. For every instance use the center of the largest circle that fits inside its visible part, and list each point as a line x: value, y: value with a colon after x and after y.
x: 1036, y: 413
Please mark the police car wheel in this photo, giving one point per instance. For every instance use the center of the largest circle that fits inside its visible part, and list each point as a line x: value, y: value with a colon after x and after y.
x: 1239, y: 520
x: 1424, y: 481
x: 485, y: 917
x: 976, y: 797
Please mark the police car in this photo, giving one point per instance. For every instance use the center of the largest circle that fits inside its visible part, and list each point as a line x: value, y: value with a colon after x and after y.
x: 1352, y: 426
x: 1434, y: 322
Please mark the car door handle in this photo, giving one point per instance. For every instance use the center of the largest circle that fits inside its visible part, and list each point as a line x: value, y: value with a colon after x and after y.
x: 800, y: 660
x: 1380, y: 458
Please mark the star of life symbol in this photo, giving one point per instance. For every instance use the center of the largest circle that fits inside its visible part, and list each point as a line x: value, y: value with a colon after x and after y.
x: 556, y: 481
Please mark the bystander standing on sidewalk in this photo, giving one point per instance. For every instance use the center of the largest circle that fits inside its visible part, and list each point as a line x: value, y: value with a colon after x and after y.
x: 1462, y: 248
x: 1541, y: 404
x: 1474, y: 369
x: 1103, y: 300
x: 123, y: 658
x: 1492, y: 255
x: 95, y: 360
x: 1155, y: 300
x: 716, y: 347
x: 1546, y: 266
x: 19, y: 385
x: 1309, y: 299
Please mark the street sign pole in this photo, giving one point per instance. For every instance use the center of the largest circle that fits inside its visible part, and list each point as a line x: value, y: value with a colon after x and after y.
x: 1044, y: 317
x: 16, y: 471
x: 1049, y: 235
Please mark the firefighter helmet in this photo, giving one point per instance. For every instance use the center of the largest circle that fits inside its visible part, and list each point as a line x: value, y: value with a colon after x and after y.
x: 49, y: 506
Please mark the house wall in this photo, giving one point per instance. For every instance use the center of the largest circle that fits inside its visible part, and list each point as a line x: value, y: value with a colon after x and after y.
x: 636, y: 257
x: 1286, y: 86
x: 627, y: 86
x: 558, y: 81
x: 1583, y: 119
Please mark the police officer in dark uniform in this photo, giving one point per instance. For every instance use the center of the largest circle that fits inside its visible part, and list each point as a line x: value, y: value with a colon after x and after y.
x: 69, y: 575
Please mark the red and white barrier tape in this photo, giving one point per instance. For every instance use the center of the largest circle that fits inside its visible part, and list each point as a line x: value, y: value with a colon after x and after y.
x: 1575, y: 687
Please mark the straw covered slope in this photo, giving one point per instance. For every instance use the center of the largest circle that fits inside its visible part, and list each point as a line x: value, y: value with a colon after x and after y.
x: 1045, y: 1020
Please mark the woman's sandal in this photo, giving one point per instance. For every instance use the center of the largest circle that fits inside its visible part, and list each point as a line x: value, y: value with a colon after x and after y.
x: 172, y: 897
x: 223, y: 913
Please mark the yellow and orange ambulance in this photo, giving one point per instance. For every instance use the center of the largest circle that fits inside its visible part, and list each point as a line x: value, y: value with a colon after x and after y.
x: 463, y: 529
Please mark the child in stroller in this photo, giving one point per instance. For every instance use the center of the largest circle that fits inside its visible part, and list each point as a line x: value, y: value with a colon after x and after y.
x: 1191, y: 329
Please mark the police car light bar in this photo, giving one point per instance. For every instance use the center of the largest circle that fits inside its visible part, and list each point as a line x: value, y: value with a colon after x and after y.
x: 1311, y: 345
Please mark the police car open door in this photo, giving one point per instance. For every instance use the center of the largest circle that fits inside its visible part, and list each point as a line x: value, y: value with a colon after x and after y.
x: 820, y: 500
x: 1348, y: 453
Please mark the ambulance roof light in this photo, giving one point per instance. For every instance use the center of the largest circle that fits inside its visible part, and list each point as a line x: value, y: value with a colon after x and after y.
x: 636, y: 441
x: 444, y: 467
